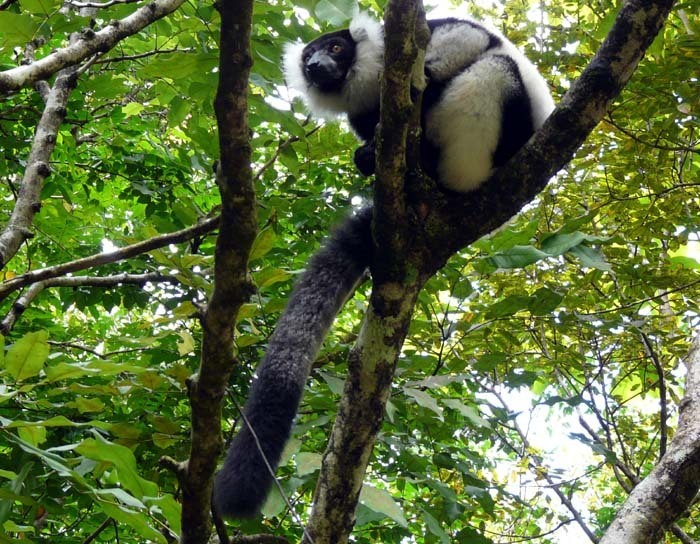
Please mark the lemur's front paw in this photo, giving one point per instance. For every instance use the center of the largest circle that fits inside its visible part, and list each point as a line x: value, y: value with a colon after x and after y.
x: 365, y: 159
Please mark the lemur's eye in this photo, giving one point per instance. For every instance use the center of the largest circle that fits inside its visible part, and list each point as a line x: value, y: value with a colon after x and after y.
x: 336, y: 48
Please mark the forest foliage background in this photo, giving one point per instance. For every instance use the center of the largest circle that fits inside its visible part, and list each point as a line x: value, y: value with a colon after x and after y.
x: 543, y: 369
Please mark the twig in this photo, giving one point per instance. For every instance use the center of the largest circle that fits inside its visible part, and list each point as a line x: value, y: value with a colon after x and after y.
x: 97, y: 531
x: 143, y: 55
x: 23, y: 302
x: 99, y: 259
x: 79, y: 5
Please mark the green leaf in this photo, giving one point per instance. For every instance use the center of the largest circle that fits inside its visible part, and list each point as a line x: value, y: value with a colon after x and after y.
x: 558, y: 244
x: 26, y: 357
x: 685, y: 262
x: 308, y: 462
x: 379, y: 500
x: 435, y: 528
x: 17, y: 29
x: 32, y: 435
x: 139, y: 521
x: 468, y: 412
x: 591, y: 257
x: 263, y: 243
x: 544, y: 300
x: 508, y: 238
x: 132, y: 109
x: 425, y: 400
x: 270, y: 276
x: 508, y: 306
x: 123, y: 460
x: 335, y: 12
x: 68, y: 371
x: 517, y: 257
x: 169, y: 508
x: 41, y: 7
x: 52, y: 460
x: 87, y: 405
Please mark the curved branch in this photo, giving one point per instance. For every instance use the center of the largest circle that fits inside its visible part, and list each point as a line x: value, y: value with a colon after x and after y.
x: 23, y: 302
x: 90, y: 43
x: 99, y: 259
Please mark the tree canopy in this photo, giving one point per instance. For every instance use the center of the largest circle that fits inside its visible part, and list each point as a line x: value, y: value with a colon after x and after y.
x: 543, y: 371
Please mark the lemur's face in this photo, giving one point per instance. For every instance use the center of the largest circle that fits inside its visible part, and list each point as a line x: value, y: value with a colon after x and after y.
x: 327, y: 60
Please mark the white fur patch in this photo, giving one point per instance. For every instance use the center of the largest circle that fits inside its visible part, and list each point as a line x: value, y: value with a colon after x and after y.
x: 365, y: 27
x: 292, y: 67
x: 466, y: 124
x: 452, y: 47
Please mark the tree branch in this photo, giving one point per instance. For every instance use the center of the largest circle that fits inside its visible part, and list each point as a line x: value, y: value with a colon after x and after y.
x: 460, y: 221
x: 99, y: 259
x: 663, y: 401
x: 23, y: 302
x: 232, y: 284
x: 28, y: 203
x: 76, y: 4
x: 90, y: 43
x: 397, y: 282
x: 672, y: 485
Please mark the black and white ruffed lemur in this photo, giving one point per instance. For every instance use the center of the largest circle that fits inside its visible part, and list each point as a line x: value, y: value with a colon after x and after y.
x: 483, y: 101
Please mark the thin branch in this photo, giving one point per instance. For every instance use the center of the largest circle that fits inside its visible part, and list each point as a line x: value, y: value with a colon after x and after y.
x: 89, y: 44
x: 258, y: 539
x: 555, y: 486
x: 23, y: 302
x: 99, y: 259
x: 663, y: 400
x: 688, y: 149
x: 97, y: 531
x: 105, y: 355
x: 138, y: 56
x: 79, y: 5
x: 673, y: 484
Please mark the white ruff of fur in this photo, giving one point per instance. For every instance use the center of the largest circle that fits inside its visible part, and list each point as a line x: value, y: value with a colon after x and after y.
x: 361, y: 90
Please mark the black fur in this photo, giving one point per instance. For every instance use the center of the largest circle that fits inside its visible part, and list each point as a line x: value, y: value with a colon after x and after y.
x: 244, y: 481
x: 516, y: 122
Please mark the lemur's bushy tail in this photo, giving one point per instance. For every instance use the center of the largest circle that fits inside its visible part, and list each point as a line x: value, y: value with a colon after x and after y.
x: 244, y: 481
